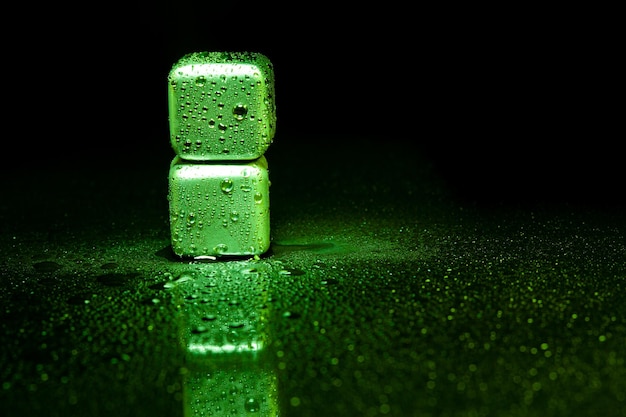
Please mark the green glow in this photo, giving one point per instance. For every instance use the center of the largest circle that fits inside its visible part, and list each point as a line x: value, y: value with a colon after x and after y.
x: 219, y: 209
x: 232, y: 389
x: 228, y: 369
x: 221, y: 106
x: 205, y: 348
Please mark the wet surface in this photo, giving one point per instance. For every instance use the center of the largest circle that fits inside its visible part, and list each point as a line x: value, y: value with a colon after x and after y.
x: 382, y: 294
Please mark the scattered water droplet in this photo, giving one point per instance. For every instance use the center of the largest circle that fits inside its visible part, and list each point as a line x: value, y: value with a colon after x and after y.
x: 199, y: 329
x: 184, y: 278
x: 200, y: 81
x: 240, y: 111
x: 252, y: 405
x: 226, y: 185
x: 220, y: 248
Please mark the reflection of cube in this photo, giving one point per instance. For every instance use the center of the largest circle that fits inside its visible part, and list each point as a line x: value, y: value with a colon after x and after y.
x: 219, y: 208
x: 221, y: 106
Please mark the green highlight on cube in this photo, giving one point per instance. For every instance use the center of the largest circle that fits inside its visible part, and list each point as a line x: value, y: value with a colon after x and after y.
x: 222, y: 119
x: 221, y: 106
x: 219, y: 209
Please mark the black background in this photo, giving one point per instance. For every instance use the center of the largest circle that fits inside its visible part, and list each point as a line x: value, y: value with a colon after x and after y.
x: 509, y: 105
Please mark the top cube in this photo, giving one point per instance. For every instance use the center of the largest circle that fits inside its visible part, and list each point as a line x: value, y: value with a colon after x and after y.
x: 221, y: 106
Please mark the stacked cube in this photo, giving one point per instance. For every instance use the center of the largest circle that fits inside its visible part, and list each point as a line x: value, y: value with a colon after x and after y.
x: 222, y: 119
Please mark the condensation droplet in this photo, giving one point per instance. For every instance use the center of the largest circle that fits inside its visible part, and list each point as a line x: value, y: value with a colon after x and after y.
x: 200, y: 81
x: 240, y: 111
x: 226, y: 185
x: 258, y: 197
x: 220, y: 248
x: 252, y: 405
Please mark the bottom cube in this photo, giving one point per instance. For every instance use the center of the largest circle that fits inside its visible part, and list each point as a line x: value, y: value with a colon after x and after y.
x: 219, y: 208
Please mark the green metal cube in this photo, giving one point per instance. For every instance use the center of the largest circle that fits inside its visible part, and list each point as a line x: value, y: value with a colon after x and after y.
x: 221, y: 106
x: 219, y: 208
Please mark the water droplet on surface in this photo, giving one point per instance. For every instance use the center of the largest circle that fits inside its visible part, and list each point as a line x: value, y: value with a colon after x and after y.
x: 258, y: 198
x: 240, y: 111
x: 184, y: 277
x: 226, y: 185
x: 220, y: 248
x: 252, y: 405
x: 199, y: 329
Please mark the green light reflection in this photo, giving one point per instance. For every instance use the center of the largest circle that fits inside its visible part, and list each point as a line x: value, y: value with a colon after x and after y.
x: 201, y: 348
x: 224, y: 311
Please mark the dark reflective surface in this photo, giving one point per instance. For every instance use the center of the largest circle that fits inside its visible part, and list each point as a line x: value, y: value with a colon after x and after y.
x: 383, y: 293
